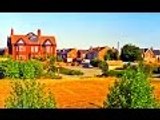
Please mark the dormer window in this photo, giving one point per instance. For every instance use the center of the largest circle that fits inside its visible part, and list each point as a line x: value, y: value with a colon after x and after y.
x: 32, y: 36
x: 20, y: 41
x: 47, y: 42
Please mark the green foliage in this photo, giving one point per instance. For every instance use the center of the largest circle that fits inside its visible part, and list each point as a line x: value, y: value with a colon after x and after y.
x: 95, y: 62
x: 12, y: 69
x: 66, y: 71
x: 130, y: 53
x: 20, y: 69
x: 133, y: 90
x: 116, y: 73
x: 111, y: 55
x: 51, y: 65
x: 29, y: 94
x: 38, y: 68
x: 59, y: 59
x: 104, y: 67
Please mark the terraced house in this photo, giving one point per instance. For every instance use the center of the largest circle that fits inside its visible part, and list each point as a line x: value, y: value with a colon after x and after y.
x: 30, y: 45
x: 97, y: 52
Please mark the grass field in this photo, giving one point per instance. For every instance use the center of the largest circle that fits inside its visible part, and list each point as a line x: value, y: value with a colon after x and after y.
x: 75, y: 92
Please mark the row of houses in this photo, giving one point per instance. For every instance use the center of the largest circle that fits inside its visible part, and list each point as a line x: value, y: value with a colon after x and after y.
x: 71, y: 54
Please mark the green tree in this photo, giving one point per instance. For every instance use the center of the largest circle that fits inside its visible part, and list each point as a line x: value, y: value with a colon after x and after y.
x: 133, y: 90
x: 111, y: 54
x: 130, y: 53
x: 29, y: 94
x: 95, y: 62
x: 104, y: 67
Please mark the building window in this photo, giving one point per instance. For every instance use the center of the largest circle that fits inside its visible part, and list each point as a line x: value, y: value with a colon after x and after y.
x: 48, y: 49
x: 47, y: 42
x: 21, y: 48
x: 34, y: 49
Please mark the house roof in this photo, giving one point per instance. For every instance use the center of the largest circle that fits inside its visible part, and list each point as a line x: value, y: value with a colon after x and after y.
x: 156, y: 52
x: 143, y: 49
x: 65, y: 51
x: 32, y: 38
x: 83, y: 51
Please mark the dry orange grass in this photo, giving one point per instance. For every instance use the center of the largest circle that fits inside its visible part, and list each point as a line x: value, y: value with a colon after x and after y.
x: 115, y: 63
x: 76, y: 92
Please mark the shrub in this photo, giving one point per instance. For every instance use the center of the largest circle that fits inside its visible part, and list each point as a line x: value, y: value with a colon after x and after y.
x: 20, y: 69
x: 12, y: 69
x: 95, y: 62
x: 59, y: 59
x: 29, y: 94
x: 51, y: 65
x: 115, y: 73
x: 38, y: 68
x: 27, y: 70
x: 66, y: 71
x: 132, y: 91
x: 104, y: 67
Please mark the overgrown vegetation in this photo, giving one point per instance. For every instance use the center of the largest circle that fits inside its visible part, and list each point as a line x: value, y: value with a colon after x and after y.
x: 29, y: 94
x: 133, y: 90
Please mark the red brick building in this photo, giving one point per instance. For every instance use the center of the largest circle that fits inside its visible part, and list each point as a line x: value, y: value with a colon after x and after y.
x: 31, y: 45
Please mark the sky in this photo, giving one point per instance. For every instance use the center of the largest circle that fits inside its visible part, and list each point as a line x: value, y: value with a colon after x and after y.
x: 83, y: 30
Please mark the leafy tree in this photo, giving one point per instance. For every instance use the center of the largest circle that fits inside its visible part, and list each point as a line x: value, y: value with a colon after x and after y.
x: 29, y: 94
x: 111, y: 55
x: 130, y: 53
x: 133, y: 90
x: 95, y: 62
x: 104, y: 67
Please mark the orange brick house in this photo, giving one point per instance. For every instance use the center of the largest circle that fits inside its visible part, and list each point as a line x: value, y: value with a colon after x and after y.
x: 67, y: 54
x: 81, y: 54
x: 30, y: 45
x: 97, y: 52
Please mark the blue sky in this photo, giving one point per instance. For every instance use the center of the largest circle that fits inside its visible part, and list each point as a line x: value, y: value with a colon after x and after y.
x: 82, y: 30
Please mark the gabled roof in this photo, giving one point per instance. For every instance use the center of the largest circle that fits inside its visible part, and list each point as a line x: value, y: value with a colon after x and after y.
x: 143, y: 49
x: 83, y: 51
x: 156, y: 52
x: 31, y: 38
x: 65, y: 51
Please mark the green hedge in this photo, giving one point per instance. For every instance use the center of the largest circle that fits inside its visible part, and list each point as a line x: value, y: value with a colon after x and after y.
x: 66, y: 71
x: 115, y: 73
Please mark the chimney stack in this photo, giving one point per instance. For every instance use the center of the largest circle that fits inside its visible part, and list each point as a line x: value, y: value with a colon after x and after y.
x: 12, y: 31
x: 39, y: 32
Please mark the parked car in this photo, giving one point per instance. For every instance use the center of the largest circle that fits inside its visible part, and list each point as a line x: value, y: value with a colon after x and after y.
x: 87, y: 65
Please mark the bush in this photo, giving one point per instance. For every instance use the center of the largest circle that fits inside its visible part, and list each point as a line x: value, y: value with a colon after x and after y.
x: 115, y: 73
x: 12, y: 69
x: 66, y: 71
x: 38, y: 68
x: 104, y: 67
x: 132, y: 91
x: 20, y: 69
x: 95, y: 62
x: 29, y: 94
